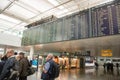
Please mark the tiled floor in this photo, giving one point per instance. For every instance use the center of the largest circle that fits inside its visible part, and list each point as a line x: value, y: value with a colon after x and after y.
x: 87, y: 74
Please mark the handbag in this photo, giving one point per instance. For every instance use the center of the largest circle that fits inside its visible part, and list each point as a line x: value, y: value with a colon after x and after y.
x: 45, y: 76
x: 30, y: 71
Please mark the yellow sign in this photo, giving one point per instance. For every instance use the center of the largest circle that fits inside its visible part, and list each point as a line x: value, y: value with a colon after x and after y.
x: 106, y: 53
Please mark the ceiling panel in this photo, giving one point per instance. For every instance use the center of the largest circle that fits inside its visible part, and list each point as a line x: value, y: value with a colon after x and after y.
x: 4, y: 3
x: 6, y: 24
x: 41, y: 5
x: 84, y: 4
x: 70, y: 4
x: 28, y: 7
x: 9, y: 19
x: 1, y: 30
x: 73, y: 8
x: 61, y: 12
x: 62, y: 1
x: 20, y: 11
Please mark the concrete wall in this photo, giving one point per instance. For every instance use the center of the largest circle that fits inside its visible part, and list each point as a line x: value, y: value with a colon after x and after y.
x: 12, y: 40
x: 115, y: 50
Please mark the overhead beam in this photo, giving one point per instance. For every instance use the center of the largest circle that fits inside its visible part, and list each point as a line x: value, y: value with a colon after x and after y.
x: 12, y: 15
x: 16, y: 17
x: 11, y: 2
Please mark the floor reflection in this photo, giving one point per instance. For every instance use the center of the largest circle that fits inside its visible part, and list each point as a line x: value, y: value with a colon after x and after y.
x: 83, y: 74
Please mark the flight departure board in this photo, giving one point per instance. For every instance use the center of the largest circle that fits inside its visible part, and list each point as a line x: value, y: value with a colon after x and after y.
x: 105, y: 20
x: 83, y: 24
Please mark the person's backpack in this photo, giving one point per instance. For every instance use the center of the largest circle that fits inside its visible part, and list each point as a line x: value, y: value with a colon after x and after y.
x: 14, y: 71
x: 54, y: 69
x: 57, y: 70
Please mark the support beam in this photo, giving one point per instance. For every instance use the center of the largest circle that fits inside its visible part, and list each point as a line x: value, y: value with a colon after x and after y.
x: 16, y: 17
x: 1, y: 11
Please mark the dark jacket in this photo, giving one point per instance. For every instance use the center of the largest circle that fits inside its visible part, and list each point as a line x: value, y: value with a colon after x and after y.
x: 7, y: 67
x: 51, y: 69
x: 24, y: 65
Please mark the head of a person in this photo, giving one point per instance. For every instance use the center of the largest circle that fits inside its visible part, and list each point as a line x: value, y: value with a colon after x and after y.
x: 18, y: 57
x: 21, y: 55
x: 10, y: 53
x: 56, y: 59
x: 49, y: 56
x: 15, y: 53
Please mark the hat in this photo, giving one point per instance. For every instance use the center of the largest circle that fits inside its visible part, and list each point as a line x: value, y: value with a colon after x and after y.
x: 21, y: 53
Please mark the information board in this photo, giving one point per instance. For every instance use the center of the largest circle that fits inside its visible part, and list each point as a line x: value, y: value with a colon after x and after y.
x: 106, y: 53
x: 83, y: 24
x: 105, y: 20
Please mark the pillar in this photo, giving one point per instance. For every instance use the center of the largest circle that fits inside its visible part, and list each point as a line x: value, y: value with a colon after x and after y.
x: 69, y: 60
x: 5, y: 50
x: 31, y: 52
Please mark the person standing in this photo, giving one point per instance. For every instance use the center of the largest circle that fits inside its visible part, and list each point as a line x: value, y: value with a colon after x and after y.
x: 117, y: 65
x: 23, y: 67
x: 47, y: 71
x: 0, y: 57
x: 104, y: 65
x: 96, y: 65
x: 9, y: 63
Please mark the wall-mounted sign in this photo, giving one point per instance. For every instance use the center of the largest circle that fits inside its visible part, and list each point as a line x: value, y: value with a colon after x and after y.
x: 106, y: 53
x: 85, y: 53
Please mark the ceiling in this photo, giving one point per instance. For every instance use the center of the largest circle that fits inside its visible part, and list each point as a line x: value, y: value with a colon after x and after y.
x: 15, y: 14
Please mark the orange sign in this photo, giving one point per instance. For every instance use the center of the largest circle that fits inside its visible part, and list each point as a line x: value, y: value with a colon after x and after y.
x: 106, y: 53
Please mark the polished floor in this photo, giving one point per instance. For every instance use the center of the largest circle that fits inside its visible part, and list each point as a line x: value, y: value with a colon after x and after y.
x: 87, y: 74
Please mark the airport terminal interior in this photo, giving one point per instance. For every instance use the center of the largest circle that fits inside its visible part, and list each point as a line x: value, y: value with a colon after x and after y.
x: 83, y: 35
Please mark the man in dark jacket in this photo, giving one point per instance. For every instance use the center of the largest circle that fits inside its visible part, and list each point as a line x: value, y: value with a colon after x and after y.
x: 24, y: 65
x: 48, y: 67
x: 8, y: 65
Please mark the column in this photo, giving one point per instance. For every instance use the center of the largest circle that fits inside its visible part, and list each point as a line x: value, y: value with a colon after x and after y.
x: 31, y: 52
x: 69, y: 60
x: 5, y: 50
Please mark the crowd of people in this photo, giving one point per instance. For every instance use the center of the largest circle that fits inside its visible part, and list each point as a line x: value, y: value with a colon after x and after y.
x: 110, y: 66
x: 14, y: 66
